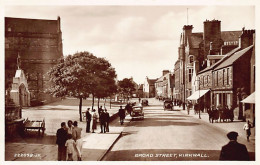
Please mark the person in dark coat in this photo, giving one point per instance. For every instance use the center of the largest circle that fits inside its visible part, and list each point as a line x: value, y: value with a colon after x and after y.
x: 88, y: 118
x: 99, y: 111
x: 107, y: 117
x: 234, y: 150
x: 102, y: 120
x: 62, y: 137
x: 121, y: 114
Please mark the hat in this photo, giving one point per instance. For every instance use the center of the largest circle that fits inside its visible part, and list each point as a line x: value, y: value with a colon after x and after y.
x: 232, y: 135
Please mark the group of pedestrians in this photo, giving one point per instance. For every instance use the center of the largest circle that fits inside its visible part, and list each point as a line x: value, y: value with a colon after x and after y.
x: 92, y: 118
x: 69, y: 141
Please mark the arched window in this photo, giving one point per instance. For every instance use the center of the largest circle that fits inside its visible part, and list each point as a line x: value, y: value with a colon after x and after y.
x: 191, y: 59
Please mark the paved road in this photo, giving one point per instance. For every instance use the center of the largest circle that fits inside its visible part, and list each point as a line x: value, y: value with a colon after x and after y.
x: 169, y: 135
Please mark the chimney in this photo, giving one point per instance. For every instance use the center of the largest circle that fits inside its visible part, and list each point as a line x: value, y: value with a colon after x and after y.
x: 247, y: 38
x: 187, y: 30
x: 212, y: 30
x: 165, y: 72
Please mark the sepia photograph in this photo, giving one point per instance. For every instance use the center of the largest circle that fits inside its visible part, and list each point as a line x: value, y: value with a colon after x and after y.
x: 129, y: 83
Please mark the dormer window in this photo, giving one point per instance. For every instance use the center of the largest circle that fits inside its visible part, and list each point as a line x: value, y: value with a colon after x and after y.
x: 191, y: 59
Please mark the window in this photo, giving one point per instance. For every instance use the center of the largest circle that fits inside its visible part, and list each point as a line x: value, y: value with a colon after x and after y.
x: 227, y: 76
x: 217, y: 78
x: 223, y: 77
x: 9, y: 29
x: 190, y: 74
x: 191, y: 59
x: 254, y: 75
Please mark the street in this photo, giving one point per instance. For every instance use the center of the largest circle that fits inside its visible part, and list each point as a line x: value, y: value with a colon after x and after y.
x: 170, y: 135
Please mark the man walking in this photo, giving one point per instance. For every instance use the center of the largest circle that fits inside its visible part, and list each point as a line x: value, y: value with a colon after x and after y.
x: 107, y: 117
x: 76, y: 134
x: 121, y: 114
x: 233, y: 150
x: 61, y: 140
x: 102, y: 120
x: 88, y: 117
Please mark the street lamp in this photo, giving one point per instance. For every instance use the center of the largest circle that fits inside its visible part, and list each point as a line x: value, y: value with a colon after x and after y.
x: 199, y: 95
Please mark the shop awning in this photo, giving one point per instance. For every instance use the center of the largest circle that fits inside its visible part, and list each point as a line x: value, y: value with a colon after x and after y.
x: 250, y: 99
x: 196, y: 95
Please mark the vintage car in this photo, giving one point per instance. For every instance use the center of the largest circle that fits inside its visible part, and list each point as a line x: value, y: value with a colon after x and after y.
x: 168, y: 104
x: 137, y: 112
x: 144, y: 102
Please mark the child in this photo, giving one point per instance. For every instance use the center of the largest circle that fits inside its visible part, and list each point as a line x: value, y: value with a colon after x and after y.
x: 70, y: 144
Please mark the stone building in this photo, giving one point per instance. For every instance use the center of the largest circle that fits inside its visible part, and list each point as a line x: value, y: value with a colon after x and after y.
x: 37, y: 45
x: 149, y: 88
x: 228, y: 80
x: 164, y: 85
x: 199, y: 50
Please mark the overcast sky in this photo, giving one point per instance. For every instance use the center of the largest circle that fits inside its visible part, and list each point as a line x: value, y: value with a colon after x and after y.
x: 138, y: 41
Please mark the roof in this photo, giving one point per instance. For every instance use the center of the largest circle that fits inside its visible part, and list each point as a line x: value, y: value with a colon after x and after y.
x: 220, y: 61
x: 227, y: 36
x: 195, y: 40
x: 151, y: 81
x: 25, y: 25
x: 234, y: 57
x: 162, y: 77
x: 141, y: 86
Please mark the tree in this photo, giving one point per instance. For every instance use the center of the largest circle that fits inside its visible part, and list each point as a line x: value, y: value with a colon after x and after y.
x: 126, y: 87
x: 79, y: 75
x: 105, y: 84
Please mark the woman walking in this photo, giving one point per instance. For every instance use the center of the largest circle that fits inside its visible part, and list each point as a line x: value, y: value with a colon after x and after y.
x: 94, y: 120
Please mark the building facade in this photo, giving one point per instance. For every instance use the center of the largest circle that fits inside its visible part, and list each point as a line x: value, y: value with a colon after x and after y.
x: 35, y: 44
x: 164, y: 85
x: 228, y: 80
x: 149, y: 88
x: 198, y: 51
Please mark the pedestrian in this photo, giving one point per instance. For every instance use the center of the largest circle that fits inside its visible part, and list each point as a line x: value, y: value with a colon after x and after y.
x: 107, y: 118
x: 99, y: 110
x: 121, y: 114
x: 233, y: 150
x: 139, y: 99
x: 70, y: 144
x: 76, y: 134
x: 61, y: 140
x: 94, y: 120
x: 188, y: 107
x: 88, y: 118
x: 102, y: 120
x: 247, y: 127
x: 70, y: 127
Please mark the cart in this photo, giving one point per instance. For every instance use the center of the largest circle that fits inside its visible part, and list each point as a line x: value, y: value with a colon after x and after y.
x: 38, y: 125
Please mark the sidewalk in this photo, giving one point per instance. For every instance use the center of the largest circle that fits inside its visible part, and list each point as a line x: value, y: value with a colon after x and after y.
x: 95, y: 145
x: 236, y: 125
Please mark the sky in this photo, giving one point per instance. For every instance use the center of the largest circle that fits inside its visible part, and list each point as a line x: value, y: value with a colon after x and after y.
x: 138, y: 41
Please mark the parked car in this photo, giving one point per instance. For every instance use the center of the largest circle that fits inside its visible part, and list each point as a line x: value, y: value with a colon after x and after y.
x: 137, y: 112
x: 168, y: 104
